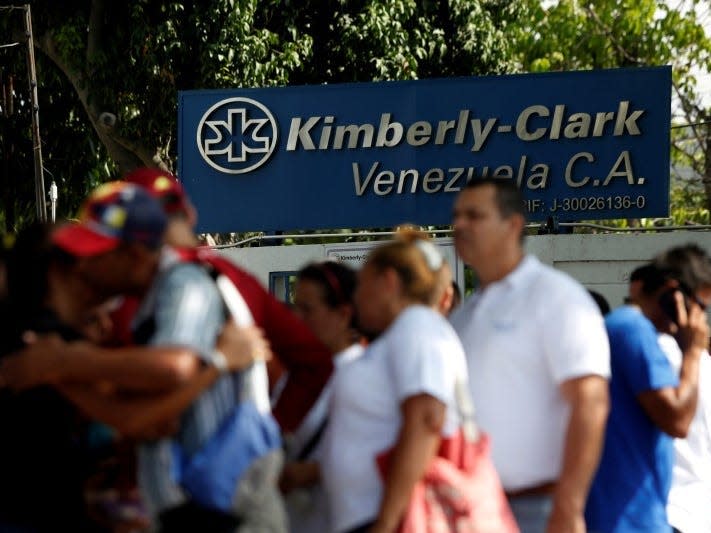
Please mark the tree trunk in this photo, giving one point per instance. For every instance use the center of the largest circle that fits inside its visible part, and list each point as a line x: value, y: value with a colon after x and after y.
x: 706, y: 178
x: 125, y: 153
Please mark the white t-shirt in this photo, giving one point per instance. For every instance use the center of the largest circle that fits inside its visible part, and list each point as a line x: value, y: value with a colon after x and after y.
x: 689, y: 504
x: 419, y: 353
x: 523, y: 336
x: 308, y: 507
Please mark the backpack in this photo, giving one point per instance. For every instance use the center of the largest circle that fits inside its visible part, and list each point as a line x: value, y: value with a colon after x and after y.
x: 243, y: 459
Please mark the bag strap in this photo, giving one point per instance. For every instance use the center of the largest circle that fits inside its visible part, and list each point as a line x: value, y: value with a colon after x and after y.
x: 465, y: 408
x: 313, y: 441
x: 255, y: 383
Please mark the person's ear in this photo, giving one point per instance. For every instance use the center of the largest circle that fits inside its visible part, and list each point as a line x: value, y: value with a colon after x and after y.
x: 444, y: 305
x: 191, y: 213
x: 391, y: 280
x: 346, y: 313
x: 518, y: 223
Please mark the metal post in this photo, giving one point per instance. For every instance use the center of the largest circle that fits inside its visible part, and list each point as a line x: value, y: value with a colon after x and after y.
x: 53, y: 197
x: 39, y: 175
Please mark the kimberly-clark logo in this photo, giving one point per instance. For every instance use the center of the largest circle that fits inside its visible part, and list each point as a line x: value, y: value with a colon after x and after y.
x: 237, y: 135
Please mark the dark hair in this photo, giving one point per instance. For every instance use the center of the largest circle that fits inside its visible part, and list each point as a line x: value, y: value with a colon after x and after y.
x: 643, y: 273
x: 27, y: 266
x: 509, y: 199
x: 337, y: 280
x: 690, y: 265
x: 601, y: 301
x: 456, y: 296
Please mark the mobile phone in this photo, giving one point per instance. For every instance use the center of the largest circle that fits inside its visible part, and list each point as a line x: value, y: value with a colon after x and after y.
x: 668, y: 304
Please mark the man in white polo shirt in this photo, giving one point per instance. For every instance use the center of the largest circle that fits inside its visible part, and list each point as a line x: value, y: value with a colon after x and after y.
x: 538, y: 359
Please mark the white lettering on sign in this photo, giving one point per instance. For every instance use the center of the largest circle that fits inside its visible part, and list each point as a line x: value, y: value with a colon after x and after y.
x: 533, y: 123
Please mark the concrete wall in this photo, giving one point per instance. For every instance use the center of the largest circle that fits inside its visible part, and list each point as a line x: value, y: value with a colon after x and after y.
x: 604, y: 262
x: 600, y: 262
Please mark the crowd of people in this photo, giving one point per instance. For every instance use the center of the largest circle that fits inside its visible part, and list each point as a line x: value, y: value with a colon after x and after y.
x: 133, y: 395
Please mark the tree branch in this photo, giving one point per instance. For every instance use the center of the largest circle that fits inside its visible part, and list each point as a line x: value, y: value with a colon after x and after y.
x: 611, y: 36
x: 96, y: 23
x: 691, y: 114
x: 127, y: 154
x: 696, y: 165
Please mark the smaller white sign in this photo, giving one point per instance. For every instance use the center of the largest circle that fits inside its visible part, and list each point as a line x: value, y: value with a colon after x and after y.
x: 355, y: 254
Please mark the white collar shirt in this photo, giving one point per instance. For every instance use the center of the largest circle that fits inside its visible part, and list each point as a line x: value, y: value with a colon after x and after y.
x: 690, y: 494
x: 523, y: 337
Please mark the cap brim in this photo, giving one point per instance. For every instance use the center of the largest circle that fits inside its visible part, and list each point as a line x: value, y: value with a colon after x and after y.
x: 80, y: 241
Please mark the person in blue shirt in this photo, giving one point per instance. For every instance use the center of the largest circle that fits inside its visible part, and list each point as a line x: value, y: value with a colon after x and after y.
x: 650, y: 403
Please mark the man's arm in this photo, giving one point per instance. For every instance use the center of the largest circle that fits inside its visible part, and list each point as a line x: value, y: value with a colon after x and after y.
x: 147, y: 416
x: 584, y: 437
x: 141, y: 417
x: 50, y: 360
x: 672, y: 408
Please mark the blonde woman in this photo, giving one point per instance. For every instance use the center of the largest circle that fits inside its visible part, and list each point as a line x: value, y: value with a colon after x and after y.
x: 399, y: 396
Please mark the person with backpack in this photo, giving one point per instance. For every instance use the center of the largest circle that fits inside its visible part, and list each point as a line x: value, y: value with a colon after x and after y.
x: 306, y: 360
x: 296, y: 351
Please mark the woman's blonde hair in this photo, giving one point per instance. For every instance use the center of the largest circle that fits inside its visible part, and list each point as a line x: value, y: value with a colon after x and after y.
x: 415, y: 259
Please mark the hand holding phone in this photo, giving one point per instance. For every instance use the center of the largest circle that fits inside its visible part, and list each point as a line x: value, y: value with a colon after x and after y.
x: 688, y: 312
x: 668, y: 303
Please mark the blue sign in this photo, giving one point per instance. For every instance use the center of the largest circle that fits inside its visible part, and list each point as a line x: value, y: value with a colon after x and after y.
x: 581, y: 145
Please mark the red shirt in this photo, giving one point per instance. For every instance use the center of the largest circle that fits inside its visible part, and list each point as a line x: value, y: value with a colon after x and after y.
x: 308, y: 362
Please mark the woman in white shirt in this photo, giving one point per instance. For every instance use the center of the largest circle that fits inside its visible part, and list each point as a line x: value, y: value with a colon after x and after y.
x: 398, y: 396
x: 323, y: 297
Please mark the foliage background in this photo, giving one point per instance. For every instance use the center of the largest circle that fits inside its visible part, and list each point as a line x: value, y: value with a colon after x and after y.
x: 130, y: 58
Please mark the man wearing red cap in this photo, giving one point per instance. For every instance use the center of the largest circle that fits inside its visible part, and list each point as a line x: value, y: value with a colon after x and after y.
x: 181, y: 213
x: 307, y: 361
x: 117, y: 246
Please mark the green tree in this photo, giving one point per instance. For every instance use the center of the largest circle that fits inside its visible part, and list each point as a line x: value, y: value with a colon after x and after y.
x: 101, y: 59
x: 398, y: 39
x: 64, y: 133
x: 591, y: 34
x: 108, y: 75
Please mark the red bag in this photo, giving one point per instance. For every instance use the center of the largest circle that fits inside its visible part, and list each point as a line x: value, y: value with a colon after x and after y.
x: 460, y: 491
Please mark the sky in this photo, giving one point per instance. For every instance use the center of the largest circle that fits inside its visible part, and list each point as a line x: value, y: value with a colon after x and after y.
x: 703, y: 13
x: 704, y: 79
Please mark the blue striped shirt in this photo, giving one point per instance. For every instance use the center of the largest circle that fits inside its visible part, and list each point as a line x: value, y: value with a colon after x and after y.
x: 187, y: 311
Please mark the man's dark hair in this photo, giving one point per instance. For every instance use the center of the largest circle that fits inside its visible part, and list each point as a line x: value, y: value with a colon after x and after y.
x: 509, y: 199
x: 690, y: 265
x: 642, y: 273
x: 601, y: 301
x: 650, y: 276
